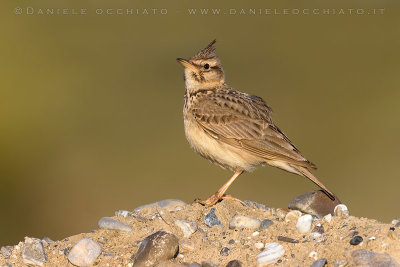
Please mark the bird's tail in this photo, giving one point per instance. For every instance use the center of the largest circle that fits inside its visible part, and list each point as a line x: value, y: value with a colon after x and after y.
x: 306, y: 173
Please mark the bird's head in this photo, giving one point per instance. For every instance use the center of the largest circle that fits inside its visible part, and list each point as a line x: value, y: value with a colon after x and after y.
x: 203, y: 70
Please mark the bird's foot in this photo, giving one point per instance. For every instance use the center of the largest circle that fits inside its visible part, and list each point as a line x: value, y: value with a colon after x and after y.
x: 214, y: 199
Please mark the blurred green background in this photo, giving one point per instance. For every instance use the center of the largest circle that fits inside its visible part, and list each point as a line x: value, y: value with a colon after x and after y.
x: 91, y: 107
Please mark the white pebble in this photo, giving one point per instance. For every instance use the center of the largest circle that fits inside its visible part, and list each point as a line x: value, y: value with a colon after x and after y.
x: 272, y: 252
x: 372, y: 238
x: 241, y: 221
x: 259, y: 245
x: 341, y: 210
x: 303, y: 224
x: 328, y: 218
x: 187, y: 227
x: 84, y: 253
x: 314, y: 255
x: 256, y: 233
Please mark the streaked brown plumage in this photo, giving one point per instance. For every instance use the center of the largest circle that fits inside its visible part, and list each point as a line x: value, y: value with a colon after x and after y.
x: 233, y: 129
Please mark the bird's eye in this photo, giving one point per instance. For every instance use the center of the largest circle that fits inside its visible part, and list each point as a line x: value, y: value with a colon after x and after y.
x: 206, y: 66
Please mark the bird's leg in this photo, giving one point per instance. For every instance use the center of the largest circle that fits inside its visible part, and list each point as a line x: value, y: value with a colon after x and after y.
x: 220, y: 194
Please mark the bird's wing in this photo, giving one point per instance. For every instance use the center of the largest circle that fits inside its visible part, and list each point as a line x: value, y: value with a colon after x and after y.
x: 244, y: 121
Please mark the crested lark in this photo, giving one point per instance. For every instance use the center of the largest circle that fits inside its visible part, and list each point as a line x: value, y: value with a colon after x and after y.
x: 233, y: 129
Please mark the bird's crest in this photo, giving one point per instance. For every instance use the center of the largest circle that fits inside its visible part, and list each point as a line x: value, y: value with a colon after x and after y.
x: 206, y: 53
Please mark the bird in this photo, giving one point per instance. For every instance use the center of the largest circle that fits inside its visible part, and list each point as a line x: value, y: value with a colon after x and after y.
x: 234, y: 129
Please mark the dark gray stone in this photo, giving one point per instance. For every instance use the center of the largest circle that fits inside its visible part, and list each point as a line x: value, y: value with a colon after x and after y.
x: 234, y: 263
x: 356, y: 240
x: 316, y: 203
x: 287, y: 239
x: 156, y: 248
x: 112, y: 224
x: 225, y: 251
x: 319, y: 263
x: 84, y: 252
x: 211, y: 219
x: 265, y: 224
x: 34, y: 252
x: 365, y: 258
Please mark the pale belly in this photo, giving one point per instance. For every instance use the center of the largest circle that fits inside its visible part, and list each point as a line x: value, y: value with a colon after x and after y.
x: 216, y: 151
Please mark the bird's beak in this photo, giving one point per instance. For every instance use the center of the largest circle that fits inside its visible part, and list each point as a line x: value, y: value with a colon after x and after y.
x: 187, y: 64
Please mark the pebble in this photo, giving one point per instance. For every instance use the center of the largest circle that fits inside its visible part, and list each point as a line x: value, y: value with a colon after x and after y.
x: 234, y: 263
x: 313, y: 255
x: 187, y: 227
x: 208, y: 264
x: 328, y: 218
x: 356, y: 240
x: 272, y: 252
x: 287, y: 239
x: 265, y: 224
x: 156, y: 248
x: 112, y: 224
x: 340, y: 263
x: 316, y: 203
x: 242, y: 221
x: 186, y: 244
x: 6, y: 251
x: 167, y: 204
x: 304, y: 223
x: 211, y: 219
x: 251, y: 203
x: 364, y: 257
x: 84, y: 253
x: 319, y: 263
x: 259, y: 245
x: 292, y: 216
x: 225, y: 251
x: 123, y: 213
x: 34, y: 252
x: 341, y: 210
x: 318, y: 229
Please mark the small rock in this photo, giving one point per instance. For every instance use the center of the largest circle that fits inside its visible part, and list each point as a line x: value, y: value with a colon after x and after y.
x: 316, y: 203
x: 356, y: 240
x: 6, y: 251
x: 265, y: 224
x: 242, y: 221
x: 167, y: 204
x: 328, y: 218
x: 211, y: 219
x: 259, y: 245
x: 156, y: 248
x: 340, y: 263
x: 225, y: 251
x: 234, y: 263
x: 256, y: 233
x: 287, y: 239
x: 112, y: 224
x: 304, y: 223
x: 123, y: 213
x: 292, y: 216
x: 313, y: 255
x: 341, y: 210
x: 272, y: 252
x: 186, y: 244
x: 187, y: 227
x: 319, y: 263
x: 318, y: 229
x: 208, y: 264
x: 367, y: 258
x: 34, y: 252
x: 254, y: 204
x: 84, y: 253
x: 231, y: 242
